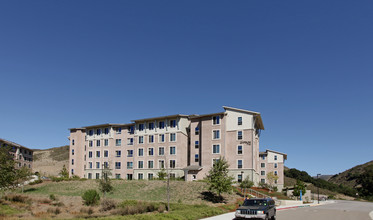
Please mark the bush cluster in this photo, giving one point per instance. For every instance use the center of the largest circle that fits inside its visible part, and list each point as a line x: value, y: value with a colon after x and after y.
x: 108, y: 204
x: 91, y: 197
x: 131, y: 207
x: 17, y: 198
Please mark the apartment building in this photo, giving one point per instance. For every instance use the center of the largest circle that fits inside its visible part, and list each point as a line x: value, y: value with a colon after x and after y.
x: 187, y: 145
x: 272, y: 161
x: 23, y: 156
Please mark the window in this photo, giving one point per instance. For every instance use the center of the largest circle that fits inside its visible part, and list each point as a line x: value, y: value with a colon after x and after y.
x: 150, y: 151
x: 173, y: 123
x: 141, y: 127
x: 117, y: 176
x: 118, y: 153
x: 262, y: 180
x: 140, y: 176
x: 151, y: 138
x: 263, y: 173
x: 275, y: 181
x: 118, y: 142
x: 161, y: 151
x: 161, y: 164
x: 89, y: 175
x: 129, y: 176
x: 131, y: 130
x: 275, y: 165
x: 90, y: 164
x: 129, y: 153
x: 98, y: 165
x: 263, y: 157
x: 72, y: 171
x: 129, y: 165
x: 72, y: 152
x: 239, y: 164
x: 98, y: 143
x: 98, y: 131
x: 161, y: 138
x: 172, y: 163
x: 275, y: 157
x: 275, y: 173
x: 151, y: 126
x: 172, y: 137
x: 106, y: 131
x: 216, y: 149
x: 97, y: 175
x: 98, y: 154
x: 150, y: 176
x: 106, y: 142
x: 106, y: 153
x: 196, y: 131
x: 215, y: 160
x: 119, y: 130
x: 130, y: 141
x: 239, y: 135
x: 106, y: 165
x: 140, y: 164
x: 72, y: 162
x: 196, y: 144
x: 117, y: 165
x: 150, y: 164
x: 161, y: 125
x: 196, y: 158
x: 141, y: 152
x: 239, y: 178
x: 239, y: 149
x: 90, y: 132
x: 90, y: 143
x: 216, y: 134
x: 141, y: 139
x: 216, y: 120
x: 172, y: 150
x: 172, y: 176
x: 239, y: 120
x: 73, y: 142
x: 262, y: 165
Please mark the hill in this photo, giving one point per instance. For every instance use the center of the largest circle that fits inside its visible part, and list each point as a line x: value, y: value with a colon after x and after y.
x: 49, y: 162
x: 350, y: 177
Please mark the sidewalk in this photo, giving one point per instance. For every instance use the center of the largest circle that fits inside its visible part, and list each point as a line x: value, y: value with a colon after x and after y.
x: 230, y: 215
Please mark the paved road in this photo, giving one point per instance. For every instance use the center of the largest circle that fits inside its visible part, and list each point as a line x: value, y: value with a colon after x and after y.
x: 341, y: 210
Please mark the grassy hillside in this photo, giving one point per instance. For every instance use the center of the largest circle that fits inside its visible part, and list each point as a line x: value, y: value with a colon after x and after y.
x: 350, y: 177
x: 49, y: 162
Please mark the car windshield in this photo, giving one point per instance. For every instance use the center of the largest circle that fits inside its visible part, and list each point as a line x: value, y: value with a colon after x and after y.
x: 253, y: 202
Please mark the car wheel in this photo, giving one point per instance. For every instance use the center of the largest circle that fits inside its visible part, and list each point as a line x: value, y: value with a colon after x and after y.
x: 273, y: 217
x: 266, y: 217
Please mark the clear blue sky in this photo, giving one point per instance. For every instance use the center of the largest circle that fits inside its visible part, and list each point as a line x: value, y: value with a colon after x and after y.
x: 307, y: 66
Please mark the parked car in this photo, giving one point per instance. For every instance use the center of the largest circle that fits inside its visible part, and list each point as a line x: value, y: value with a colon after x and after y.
x: 257, y: 208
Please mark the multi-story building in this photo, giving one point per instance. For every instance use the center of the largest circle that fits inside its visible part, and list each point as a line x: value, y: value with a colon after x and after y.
x: 272, y: 161
x: 23, y: 156
x: 187, y: 145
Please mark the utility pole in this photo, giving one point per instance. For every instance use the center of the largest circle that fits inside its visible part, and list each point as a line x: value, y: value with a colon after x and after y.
x: 318, y: 191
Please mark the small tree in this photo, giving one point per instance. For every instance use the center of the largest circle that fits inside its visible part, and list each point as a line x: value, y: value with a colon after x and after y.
x: 272, y: 178
x: 218, y: 177
x: 298, y: 187
x: 91, y: 197
x: 64, y: 173
x: 245, y: 184
x: 7, y: 168
x: 104, y: 183
x: 22, y: 175
x: 162, y: 174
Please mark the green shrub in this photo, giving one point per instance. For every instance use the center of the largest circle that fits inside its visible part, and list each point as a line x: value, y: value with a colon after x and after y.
x: 36, y: 182
x: 52, y: 197
x: 91, y: 197
x: 17, y: 198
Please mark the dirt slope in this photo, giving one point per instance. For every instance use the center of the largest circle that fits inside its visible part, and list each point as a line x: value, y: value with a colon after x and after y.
x: 49, y: 162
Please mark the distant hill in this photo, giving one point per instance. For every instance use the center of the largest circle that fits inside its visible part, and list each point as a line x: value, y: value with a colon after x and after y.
x: 324, y: 177
x: 350, y: 176
x: 49, y: 162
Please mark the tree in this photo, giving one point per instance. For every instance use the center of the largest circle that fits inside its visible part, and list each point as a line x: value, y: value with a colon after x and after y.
x: 64, y: 173
x: 162, y: 174
x: 104, y: 183
x: 218, y: 177
x: 272, y: 178
x: 8, y: 172
x: 23, y: 174
x: 298, y: 187
x: 246, y: 183
x: 366, y: 181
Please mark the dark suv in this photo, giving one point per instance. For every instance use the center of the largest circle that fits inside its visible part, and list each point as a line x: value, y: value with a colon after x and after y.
x: 257, y: 208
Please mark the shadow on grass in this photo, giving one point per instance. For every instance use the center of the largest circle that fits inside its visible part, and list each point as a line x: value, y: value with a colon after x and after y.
x: 30, y: 190
x: 212, y: 197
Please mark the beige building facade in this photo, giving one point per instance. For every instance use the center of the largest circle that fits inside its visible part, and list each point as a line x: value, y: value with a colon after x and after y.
x: 186, y: 145
x: 272, y: 161
x: 22, y: 155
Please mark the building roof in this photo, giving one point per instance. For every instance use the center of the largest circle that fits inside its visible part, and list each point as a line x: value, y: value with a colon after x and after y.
x: 266, y: 152
x: 10, y: 143
x: 258, y: 122
x: 193, y: 167
x: 101, y: 125
x: 161, y: 117
x: 206, y: 115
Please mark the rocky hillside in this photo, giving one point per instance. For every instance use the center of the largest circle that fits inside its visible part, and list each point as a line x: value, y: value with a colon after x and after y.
x: 350, y: 177
x: 49, y: 162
